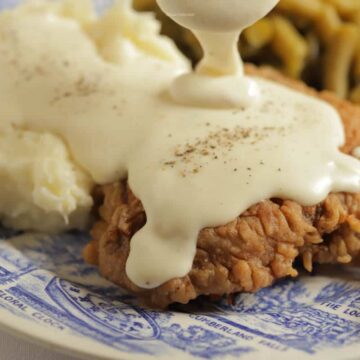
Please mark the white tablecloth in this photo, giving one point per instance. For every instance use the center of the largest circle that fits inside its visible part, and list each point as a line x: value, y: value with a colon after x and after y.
x: 12, y: 348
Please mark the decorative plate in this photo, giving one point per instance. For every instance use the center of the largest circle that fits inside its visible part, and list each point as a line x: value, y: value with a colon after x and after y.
x: 48, y: 293
x: 50, y: 296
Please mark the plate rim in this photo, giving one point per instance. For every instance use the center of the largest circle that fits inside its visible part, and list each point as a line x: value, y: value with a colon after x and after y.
x: 39, y: 334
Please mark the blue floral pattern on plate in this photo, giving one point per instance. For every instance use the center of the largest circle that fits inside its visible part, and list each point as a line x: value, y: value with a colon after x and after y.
x: 44, y: 279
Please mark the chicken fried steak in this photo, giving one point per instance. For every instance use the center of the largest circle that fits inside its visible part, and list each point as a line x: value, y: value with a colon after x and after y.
x: 249, y: 253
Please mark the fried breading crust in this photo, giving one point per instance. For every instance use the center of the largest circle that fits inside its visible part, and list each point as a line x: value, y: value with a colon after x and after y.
x: 249, y: 253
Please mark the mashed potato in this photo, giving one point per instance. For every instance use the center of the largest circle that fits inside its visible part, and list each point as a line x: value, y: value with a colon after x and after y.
x: 122, y: 34
x: 41, y: 187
